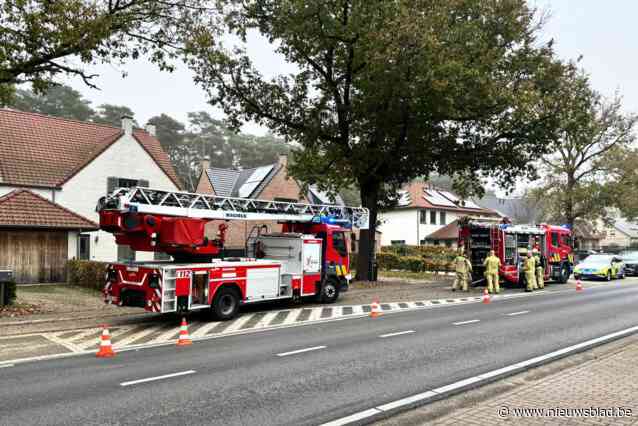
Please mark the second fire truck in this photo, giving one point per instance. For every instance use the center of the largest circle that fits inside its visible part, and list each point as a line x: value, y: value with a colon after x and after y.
x: 509, y: 242
x: 308, y: 258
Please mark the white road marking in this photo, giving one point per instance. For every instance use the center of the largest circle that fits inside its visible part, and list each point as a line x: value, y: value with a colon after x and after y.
x: 466, y: 322
x: 513, y: 314
x: 353, y: 418
x: 299, y: 351
x: 398, y: 333
x: 7, y: 365
x: 434, y: 393
x: 152, y: 379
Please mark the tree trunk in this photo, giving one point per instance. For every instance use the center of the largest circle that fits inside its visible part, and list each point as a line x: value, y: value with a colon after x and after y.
x: 369, y: 198
x: 569, y: 203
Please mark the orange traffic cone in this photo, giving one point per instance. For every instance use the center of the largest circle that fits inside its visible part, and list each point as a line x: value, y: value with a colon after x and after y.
x: 486, y: 296
x: 375, y: 309
x: 106, y: 349
x: 579, y: 286
x: 184, y: 338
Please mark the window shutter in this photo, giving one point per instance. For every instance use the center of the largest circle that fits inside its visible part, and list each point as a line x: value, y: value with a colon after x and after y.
x: 143, y: 183
x: 111, y: 184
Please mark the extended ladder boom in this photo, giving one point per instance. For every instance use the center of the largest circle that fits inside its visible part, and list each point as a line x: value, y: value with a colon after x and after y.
x: 206, y: 206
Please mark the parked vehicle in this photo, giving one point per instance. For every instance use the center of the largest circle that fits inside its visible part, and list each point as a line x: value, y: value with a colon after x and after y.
x: 478, y: 237
x: 603, y: 266
x: 308, y: 258
x: 631, y: 262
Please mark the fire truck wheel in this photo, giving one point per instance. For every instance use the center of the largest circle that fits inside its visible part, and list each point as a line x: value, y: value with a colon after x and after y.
x: 330, y: 292
x: 225, y: 304
x: 564, y: 274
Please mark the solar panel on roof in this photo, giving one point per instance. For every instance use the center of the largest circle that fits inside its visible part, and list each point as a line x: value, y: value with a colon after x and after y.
x: 453, y: 198
x: 404, y: 198
x: 434, y: 197
x: 254, y: 180
x: 471, y: 204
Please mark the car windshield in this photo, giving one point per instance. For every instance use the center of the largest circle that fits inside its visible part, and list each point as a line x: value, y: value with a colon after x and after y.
x: 630, y: 256
x: 596, y: 260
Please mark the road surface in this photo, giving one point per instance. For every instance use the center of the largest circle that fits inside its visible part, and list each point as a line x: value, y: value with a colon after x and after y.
x: 310, y: 374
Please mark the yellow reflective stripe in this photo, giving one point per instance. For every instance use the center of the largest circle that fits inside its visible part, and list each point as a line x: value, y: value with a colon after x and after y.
x: 338, y: 269
x: 343, y: 268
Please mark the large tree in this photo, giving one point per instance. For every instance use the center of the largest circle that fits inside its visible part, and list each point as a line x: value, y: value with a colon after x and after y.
x: 589, y: 166
x: 42, y: 39
x: 388, y: 91
x: 60, y: 101
x: 112, y: 114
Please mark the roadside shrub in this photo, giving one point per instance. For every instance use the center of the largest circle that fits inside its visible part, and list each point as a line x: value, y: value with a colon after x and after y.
x: 86, y: 273
x: 417, y: 258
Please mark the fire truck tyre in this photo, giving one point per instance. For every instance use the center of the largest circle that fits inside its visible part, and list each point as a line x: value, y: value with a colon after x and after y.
x: 225, y: 304
x: 564, y: 273
x: 330, y: 292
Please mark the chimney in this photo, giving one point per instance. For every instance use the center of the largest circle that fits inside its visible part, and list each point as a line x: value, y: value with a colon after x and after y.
x: 282, y: 160
x: 127, y: 124
x: 205, y: 163
x: 150, y: 129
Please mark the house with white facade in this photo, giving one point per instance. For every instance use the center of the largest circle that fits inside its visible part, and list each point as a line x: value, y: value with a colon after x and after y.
x: 52, y: 173
x: 427, y: 216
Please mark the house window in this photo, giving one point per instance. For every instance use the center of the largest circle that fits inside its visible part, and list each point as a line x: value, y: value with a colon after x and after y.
x: 423, y: 242
x: 432, y: 217
x: 125, y: 253
x: 397, y: 242
x: 423, y: 217
x: 442, y: 219
x: 113, y: 183
x: 84, y: 247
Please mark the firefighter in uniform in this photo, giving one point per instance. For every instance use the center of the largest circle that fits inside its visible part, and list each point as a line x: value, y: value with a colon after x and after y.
x: 529, y: 267
x: 539, y: 259
x: 492, y: 265
x: 462, y: 267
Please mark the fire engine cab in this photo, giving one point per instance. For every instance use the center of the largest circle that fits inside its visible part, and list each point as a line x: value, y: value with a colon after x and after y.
x: 309, y: 257
x: 510, y: 242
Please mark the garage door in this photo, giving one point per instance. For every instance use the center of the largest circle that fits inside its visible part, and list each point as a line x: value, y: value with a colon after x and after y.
x: 35, y: 256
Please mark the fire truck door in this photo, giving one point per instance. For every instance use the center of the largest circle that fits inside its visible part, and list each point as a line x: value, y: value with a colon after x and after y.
x: 199, y: 289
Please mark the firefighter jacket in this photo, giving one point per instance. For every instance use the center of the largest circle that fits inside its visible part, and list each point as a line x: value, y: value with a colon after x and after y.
x: 530, y: 265
x: 492, y: 263
x: 462, y: 265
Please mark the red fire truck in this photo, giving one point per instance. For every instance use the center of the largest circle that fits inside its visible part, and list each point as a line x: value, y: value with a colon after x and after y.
x: 309, y: 257
x: 509, y: 241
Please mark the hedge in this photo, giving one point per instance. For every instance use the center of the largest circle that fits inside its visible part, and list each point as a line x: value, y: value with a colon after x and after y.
x: 85, y: 273
x: 416, y: 258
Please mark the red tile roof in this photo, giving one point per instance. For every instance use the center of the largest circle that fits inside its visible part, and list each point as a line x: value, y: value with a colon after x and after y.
x: 448, y: 232
x: 22, y: 208
x: 40, y: 150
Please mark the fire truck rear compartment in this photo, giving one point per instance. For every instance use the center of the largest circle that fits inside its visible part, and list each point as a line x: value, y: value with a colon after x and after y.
x: 133, y: 298
x: 480, y: 247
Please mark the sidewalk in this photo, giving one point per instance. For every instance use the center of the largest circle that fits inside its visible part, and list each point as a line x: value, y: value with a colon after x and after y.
x: 603, y: 378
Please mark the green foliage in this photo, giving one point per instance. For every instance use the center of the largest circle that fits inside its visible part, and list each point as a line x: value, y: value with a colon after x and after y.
x: 592, y: 165
x: 416, y: 258
x: 38, y: 37
x: 85, y: 273
x: 112, y: 114
x: 59, y: 101
x: 388, y: 91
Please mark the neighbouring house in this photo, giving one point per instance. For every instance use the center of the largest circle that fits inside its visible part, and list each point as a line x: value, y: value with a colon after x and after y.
x: 427, y: 216
x: 269, y: 182
x: 586, y: 236
x: 519, y: 210
x: 52, y: 173
x: 620, y: 234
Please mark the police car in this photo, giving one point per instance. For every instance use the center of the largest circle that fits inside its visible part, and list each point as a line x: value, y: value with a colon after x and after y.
x: 605, y: 266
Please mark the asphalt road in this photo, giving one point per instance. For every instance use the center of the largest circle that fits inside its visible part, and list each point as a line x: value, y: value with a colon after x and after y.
x: 343, y: 367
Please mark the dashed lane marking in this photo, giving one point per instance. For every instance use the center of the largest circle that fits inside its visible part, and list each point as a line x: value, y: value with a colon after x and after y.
x: 152, y: 379
x: 513, y: 314
x: 300, y: 351
x: 398, y: 333
x: 466, y: 322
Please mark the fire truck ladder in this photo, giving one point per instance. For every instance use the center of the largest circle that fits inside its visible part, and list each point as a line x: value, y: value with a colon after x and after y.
x: 207, y: 206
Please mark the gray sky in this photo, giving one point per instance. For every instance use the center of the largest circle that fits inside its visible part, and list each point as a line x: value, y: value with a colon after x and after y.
x: 604, y: 32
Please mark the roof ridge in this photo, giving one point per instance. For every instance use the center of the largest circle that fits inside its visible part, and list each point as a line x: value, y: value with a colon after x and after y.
x: 58, y: 118
x: 9, y: 195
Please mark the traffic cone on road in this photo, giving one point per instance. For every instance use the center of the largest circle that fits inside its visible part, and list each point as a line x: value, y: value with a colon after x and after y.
x: 106, y: 349
x: 486, y: 296
x: 184, y: 339
x: 375, y: 309
x: 579, y: 286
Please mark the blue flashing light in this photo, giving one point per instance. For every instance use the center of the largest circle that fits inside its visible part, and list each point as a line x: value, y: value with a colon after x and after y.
x: 331, y: 220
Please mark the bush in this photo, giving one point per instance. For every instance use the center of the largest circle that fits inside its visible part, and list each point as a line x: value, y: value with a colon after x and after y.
x: 416, y: 258
x: 85, y: 273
